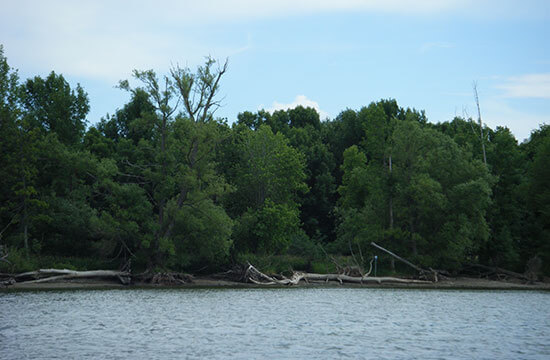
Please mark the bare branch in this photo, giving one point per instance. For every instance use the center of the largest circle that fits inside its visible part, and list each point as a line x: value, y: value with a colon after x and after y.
x: 199, y: 90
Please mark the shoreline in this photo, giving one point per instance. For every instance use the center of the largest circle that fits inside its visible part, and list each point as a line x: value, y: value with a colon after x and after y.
x: 460, y: 283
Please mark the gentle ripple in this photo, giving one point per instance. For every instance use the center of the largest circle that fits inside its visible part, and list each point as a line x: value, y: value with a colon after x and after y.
x: 300, y: 323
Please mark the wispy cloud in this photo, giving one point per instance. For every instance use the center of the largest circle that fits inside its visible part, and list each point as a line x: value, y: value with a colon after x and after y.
x: 436, y: 45
x: 300, y: 100
x: 497, y: 112
x: 104, y: 39
x: 527, y: 86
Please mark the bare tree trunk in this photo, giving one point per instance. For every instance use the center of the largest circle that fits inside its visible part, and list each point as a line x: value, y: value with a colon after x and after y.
x: 26, y: 237
x: 391, y: 198
x: 480, y: 124
x: 25, y: 221
x: 392, y: 260
x: 397, y: 257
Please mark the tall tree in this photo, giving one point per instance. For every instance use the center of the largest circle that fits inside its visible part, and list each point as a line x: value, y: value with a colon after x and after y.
x: 183, y: 171
x: 269, y: 179
x: 442, y: 196
x: 51, y: 104
x: 507, y: 212
x: 19, y: 161
x: 539, y: 203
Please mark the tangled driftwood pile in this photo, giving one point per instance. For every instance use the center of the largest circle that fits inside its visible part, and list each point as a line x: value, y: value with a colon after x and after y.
x: 248, y: 273
x: 125, y: 277
x: 255, y: 276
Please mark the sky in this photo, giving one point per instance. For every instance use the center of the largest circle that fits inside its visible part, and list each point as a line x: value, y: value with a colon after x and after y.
x: 329, y: 55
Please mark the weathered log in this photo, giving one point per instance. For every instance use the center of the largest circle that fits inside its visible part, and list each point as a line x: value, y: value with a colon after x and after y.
x: 5, y: 282
x: 423, y: 272
x: 255, y: 276
x: 364, y: 279
x: 47, y: 275
x: 397, y: 257
x: 497, y: 270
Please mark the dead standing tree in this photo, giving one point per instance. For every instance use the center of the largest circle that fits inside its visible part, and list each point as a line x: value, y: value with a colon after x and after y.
x: 481, y: 136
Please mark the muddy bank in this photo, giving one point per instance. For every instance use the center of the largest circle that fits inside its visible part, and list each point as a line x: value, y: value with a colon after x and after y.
x: 208, y: 282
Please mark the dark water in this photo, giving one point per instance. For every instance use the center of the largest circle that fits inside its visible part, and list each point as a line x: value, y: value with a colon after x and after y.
x: 275, y: 323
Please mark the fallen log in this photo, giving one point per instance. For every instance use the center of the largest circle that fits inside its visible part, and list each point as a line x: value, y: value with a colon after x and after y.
x: 397, y: 257
x: 496, y: 270
x: 363, y: 279
x: 424, y: 273
x: 257, y: 277
x: 47, y: 275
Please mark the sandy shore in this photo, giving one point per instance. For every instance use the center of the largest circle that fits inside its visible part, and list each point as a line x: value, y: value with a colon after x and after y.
x: 205, y: 282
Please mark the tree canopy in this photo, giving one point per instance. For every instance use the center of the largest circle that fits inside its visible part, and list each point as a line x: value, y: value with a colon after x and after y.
x: 167, y: 184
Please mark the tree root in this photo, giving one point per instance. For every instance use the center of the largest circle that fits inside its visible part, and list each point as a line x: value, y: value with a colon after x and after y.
x: 165, y: 278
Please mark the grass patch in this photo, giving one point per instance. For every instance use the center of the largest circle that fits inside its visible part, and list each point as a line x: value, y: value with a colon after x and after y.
x: 19, y: 262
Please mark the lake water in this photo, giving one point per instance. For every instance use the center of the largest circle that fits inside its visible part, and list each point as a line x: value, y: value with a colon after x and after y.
x: 296, y: 323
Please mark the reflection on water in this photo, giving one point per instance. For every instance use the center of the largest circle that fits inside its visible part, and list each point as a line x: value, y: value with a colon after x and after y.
x: 274, y: 323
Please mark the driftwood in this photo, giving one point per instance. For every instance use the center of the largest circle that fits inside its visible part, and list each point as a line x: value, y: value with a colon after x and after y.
x: 47, y: 275
x: 499, y: 273
x: 4, y: 258
x: 166, y: 278
x: 255, y: 276
x: 3, y: 255
x: 125, y: 277
x: 433, y: 274
x: 397, y: 257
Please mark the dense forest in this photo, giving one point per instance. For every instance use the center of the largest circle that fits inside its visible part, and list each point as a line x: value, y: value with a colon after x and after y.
x: 164, y: 182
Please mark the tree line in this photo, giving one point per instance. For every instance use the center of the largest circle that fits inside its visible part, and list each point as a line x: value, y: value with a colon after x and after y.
x: 166, y: 183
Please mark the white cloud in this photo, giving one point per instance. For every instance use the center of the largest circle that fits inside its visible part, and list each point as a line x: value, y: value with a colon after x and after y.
x: 105, y: 40
x: 496, y: 112
x: 527, y: 86
x: 300, y: 100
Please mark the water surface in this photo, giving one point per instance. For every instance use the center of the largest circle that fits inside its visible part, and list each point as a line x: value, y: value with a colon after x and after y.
x: 300, y: 323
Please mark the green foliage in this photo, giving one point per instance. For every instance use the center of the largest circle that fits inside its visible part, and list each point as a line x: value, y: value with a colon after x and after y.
x: 267, y: 230
x: 270, y: 168
x: 355, y: 180
x: 305, y: 133
x: 19, y: 261
x: 441, y: 195
x: 166, y: 184
x: 539, y: 203
x: 269, y: 178
x: 275, y: 264
x: 202, y: 236
x: 434, y: 193
x: 51, y: 105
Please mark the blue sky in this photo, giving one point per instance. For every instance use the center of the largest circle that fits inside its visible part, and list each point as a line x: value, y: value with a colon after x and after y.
x: 331, y: 55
